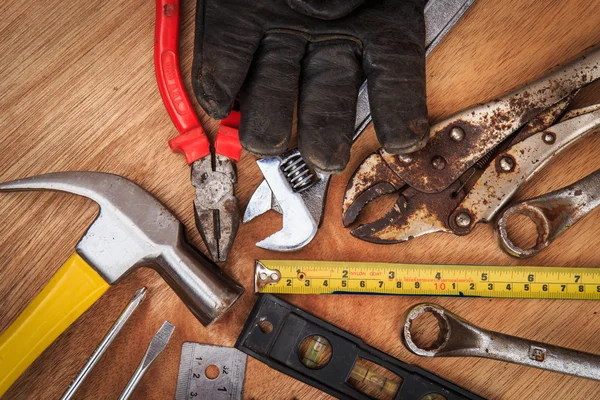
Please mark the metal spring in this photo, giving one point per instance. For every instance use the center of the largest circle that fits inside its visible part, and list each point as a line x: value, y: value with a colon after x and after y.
x: 298, y: 174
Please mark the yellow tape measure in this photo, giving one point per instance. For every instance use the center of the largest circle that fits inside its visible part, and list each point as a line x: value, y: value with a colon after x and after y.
x: 326, y: 277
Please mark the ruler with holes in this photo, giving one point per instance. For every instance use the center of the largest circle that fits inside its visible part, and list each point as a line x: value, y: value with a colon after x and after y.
x: 326, y: 277
x: 210, y: 372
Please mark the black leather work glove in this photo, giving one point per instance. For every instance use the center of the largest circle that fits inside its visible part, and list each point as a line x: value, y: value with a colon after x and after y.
x: 271, y: 51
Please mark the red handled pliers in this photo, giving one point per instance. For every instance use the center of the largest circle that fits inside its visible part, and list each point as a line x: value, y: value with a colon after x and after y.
x: 216, y: 207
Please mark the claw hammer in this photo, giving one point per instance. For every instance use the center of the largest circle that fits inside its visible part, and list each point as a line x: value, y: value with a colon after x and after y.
x: 132, y: 229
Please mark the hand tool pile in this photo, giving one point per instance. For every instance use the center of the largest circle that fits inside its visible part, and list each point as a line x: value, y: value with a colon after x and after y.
x: 248, y: 72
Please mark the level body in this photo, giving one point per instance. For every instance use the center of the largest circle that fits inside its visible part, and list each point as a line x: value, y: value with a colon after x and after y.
x: 325, y: 277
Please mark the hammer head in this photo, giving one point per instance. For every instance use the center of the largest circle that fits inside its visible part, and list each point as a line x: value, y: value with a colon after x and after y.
x: 133, y: 228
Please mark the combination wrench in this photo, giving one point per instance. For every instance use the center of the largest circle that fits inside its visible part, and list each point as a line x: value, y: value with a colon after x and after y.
x: 459, y: 338
x: 553, y: 213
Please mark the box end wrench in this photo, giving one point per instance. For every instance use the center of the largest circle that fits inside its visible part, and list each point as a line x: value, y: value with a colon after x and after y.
x: 459, y: 338
x: 553, y: 213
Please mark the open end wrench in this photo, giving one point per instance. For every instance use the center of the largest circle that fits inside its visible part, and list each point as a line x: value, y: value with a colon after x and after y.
x: 552, y: 213
x: 459, y: 338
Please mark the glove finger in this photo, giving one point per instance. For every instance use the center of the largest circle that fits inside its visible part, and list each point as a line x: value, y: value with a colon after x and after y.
x: 394, y: 62
x: 223, y: 50
x: 268, y: 95
x: 331, y: 77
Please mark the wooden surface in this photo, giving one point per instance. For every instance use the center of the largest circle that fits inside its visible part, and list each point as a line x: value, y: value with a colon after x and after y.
x: 78, y: 93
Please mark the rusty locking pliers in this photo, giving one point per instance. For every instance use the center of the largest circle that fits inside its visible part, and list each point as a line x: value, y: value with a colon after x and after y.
x: 475, y: 160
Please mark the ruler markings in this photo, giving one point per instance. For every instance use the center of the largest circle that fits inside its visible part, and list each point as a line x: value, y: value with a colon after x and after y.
x: 313, y: 277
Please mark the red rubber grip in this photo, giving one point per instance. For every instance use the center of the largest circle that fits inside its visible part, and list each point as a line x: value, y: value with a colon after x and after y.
x: 192, y: 142
x: 227, y: 142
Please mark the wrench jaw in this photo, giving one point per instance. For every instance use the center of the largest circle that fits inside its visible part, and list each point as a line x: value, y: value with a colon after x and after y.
x: 299, y: 215
x: 262, y: 200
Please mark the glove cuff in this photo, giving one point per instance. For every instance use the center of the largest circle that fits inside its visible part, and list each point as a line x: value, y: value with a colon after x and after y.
x: 325, y: 9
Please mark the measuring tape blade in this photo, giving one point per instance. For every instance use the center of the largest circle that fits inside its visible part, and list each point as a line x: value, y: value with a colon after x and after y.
x: 326, y: 277
x: 193, y: 381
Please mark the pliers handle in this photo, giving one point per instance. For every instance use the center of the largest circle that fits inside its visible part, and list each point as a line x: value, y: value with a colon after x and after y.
x: 192, y: 140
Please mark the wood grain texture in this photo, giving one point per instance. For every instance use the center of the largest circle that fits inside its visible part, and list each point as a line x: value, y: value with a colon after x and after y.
x: 79, y: 93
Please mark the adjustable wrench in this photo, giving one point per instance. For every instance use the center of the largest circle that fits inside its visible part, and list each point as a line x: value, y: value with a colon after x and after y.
x: 293, y: 189
x: 459, y: 338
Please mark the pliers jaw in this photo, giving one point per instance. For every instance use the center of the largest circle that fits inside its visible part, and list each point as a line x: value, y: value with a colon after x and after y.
x: 372, y: 179
x: 217, y: 213
x: 413, y: 214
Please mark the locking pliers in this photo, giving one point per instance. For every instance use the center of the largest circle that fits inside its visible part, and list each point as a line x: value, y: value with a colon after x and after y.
x: 475, y: 161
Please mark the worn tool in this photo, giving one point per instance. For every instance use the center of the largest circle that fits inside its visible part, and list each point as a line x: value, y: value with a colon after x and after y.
x: 210, y: 372
x: 216, y: 208
x: 156, y: 346
x: 475, y: 160
x: 133, y: 229
x: 137, y: 299
x: 315, y: 352
x: 298, y: 192
x: 274, y: 52
x: 552, y: 213
x: 329, y: 277
x: 459, y: 338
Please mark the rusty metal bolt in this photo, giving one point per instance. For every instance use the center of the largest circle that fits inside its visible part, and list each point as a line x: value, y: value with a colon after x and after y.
x: 507, y: 164
x: 549, y: 138
x: 463, y: 219
x: 457, y: 134
x: 438, y: 162
x: 405, y: 158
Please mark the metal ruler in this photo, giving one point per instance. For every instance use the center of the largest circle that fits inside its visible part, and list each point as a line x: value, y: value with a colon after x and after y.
x: 326, y: 277
x: 210, y: 372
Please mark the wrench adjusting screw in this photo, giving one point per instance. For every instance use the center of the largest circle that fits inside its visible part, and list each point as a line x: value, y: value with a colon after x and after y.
x: 549, y: 138
x: 463, y: 219
x: 438, y: 162
x: 457, y: 134
x: 507, y: 164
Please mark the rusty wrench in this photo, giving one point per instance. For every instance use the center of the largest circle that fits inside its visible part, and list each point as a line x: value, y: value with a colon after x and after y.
x: 553, y: 213
x: 459, y: 338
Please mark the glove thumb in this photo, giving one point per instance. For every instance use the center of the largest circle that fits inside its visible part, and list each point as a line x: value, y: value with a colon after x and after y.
x: 325, y: 9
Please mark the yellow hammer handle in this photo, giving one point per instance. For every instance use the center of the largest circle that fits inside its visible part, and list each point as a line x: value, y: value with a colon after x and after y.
x: 71, y: 291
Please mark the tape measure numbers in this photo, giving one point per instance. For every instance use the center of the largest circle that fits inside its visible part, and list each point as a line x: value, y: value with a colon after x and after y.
x: 325, y: 277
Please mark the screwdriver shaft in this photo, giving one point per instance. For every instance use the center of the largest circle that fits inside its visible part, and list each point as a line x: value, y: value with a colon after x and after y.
x: 137, y: 299
x: 156, y: 346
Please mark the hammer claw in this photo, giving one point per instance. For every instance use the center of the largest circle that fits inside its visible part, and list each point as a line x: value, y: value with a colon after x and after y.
x: 134, y: 229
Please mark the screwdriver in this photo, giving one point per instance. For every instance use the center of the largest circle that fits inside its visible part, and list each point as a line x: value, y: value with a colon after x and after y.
x: 156, y: 346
